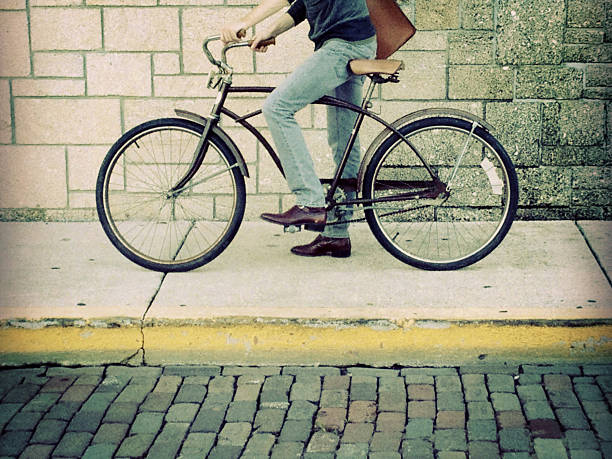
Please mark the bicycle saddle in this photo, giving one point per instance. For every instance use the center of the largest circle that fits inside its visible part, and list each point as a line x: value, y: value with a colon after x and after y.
x: 375, y: 66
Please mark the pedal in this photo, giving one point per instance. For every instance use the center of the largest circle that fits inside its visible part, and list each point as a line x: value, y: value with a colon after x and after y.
x: 316, y: 228
x: 292, y: 229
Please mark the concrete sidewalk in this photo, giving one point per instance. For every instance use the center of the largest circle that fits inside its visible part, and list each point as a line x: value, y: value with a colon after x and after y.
x: 56, y: 275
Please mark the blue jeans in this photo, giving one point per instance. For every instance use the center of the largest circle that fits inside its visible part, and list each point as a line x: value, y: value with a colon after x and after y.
x: 326, y: 72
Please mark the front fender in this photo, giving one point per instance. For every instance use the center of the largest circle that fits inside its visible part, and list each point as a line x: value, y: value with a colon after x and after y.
x: 221, y: 134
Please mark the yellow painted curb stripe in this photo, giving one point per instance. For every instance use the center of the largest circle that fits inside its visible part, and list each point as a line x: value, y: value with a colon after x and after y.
x: 269, y: 338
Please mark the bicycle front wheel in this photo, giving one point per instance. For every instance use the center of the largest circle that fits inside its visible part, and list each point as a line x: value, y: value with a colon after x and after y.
x: 456, y: 225
x: 150, y: 222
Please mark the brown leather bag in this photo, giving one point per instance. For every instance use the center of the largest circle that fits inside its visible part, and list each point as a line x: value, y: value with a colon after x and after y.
x: 393, y: 28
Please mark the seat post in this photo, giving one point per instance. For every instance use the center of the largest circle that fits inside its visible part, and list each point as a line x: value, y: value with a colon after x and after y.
x: 351, y: 142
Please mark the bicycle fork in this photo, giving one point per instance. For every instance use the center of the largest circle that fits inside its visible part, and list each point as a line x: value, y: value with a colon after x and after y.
x: 200, y: 152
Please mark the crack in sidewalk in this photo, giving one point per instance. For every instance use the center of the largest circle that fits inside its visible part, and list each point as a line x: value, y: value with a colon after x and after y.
x: 142, y: 351
x: 593, y: 252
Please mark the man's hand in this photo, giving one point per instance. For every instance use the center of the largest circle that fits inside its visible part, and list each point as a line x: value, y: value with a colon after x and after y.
x: 233, y: 32
x: 261, y: 41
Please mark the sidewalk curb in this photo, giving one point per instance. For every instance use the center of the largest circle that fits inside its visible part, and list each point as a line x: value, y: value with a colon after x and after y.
x: 248, y: 341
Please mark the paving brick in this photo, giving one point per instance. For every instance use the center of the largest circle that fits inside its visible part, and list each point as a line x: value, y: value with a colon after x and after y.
x: 77, y: 393
x: 225, y: 452
x: 241, y: 411
x: 448, y: 384
x: 247, y: 392
x: 198, y: 444
x: 259, y: 446
x: 421, y: 392
x: 24, y: 421
x: 269, y: 420
x: 334, y: 399
x: 391, y: 421
x: 511, y: 419
x: 37, y: 451
x: 48, y: 431
x: 450, y: 440
x: 234, y: 434
x: 296, y: 431
x: 147, y: 423
x: 191, y: 370
x: 484, y: 449
x: 505, y: 402
x: 563, y: 399
x: 546, y: 448
x: 121, y: 412
x: 571, y: 418
x: 363, y: 388
x: 13, y: 443
x: 191, y: 393
x: 545, y: 428
x: 386, y: 441
x: 417, y: 449
x: 362, y: 411
x: 538, y: 410
x: 21, y: 393
x: 585, y: 454
x: 392, y: 400
x: 450, y: 401
x: 481, y: 430
x: 581, y: 439
x: 73, y: 444
x: 355, y: 451
x: 358, y: 432
x: 419, y: 428
x: 419, y: 379
x: 100, y: 451
x: 475, y: 393
x: 557, y: 382
x: 312, y: 371
x: 514, y: 440
x: 424, y: 409
x: 135, y: 445
x: 531, y: 392
x: 286, y: 450
x: 530, y: 379
x: 58, y: 384
x: 323, y: 442
x: 589, y: 392
x: 480, y: 410
x: 111, y: 433
x: 451, y: 455
x: 134, y: 393
x: 301, y: 410
x: 450, y: 420
x: 306, y: 388
x: 157, y: 401
x: 336, y: 382
x: 209, y: 418
x: 85, y: 421
x: 169, y: 441
x: 62, y: 411
x: 331, y: 419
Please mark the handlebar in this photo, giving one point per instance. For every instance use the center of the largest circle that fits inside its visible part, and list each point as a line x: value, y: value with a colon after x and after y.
x: 222, y: 64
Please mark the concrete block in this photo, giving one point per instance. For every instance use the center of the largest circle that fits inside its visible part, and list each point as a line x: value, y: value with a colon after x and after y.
x: 141, y: 29
x: 49, y: 87
x: 56, y: 2
x: 477, y: 14
x: 58, y: 64
x: 581, y: 123
x: 118, y: 74
x: 67, y: 121
x: 437, y: 14
x: 480, y: 82
x: 469, y: 47
x: 549, y: 82
x: 83, y: 165
x: 529, y: 32
x: 122, y: 2
x: 13, y: 5
x: 427, y: 40
x: 587, y: 53
x: 181, y: 86
x: 583, y: 36
x: 6, y: 129
x: 585, y: 13
x: 290, y: 51
x: 199, y: 23
x: 545, y: 186
x: 137, y: 111
x: 40, y: 170
x: 166, y: 64
x: 598, y: 75
x: 14, y: 46
x: 423, y: 78
x: 65, y: 29
x: 517, y: 127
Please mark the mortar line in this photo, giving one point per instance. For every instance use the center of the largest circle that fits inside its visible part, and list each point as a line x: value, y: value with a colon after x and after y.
x: 594, y: 253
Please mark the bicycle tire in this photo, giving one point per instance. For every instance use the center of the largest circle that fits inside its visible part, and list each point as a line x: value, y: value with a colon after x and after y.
x: 156, y: 229
x: 449, y: 232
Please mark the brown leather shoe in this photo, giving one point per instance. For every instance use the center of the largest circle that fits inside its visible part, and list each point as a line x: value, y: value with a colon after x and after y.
x: 313, y: 218
x: 322, y: 245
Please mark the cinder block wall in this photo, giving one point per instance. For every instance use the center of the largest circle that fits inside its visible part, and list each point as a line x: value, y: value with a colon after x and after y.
x: 76, y: 74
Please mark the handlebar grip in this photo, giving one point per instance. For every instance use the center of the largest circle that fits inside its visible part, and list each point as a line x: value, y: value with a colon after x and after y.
x: 268, y: 42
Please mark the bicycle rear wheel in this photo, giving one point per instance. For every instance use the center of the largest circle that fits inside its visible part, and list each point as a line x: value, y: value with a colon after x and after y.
x: 457, y: 225
x: 150, y: 224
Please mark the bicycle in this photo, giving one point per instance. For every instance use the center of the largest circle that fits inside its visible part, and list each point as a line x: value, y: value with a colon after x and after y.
x: 438, y: 190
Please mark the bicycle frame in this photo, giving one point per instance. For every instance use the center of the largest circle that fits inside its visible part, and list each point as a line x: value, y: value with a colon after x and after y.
x: 223, y: 81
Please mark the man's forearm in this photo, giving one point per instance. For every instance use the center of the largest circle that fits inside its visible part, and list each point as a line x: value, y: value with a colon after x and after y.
x: 265, y: 9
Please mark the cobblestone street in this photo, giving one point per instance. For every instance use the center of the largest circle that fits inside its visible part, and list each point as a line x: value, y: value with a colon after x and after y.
x: 483, y: 411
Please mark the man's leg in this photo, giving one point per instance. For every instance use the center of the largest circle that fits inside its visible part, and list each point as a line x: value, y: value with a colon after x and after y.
x: 319, y: 75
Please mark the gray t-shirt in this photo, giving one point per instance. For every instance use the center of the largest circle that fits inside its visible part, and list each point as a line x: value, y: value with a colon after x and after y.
x: 345, y: 19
